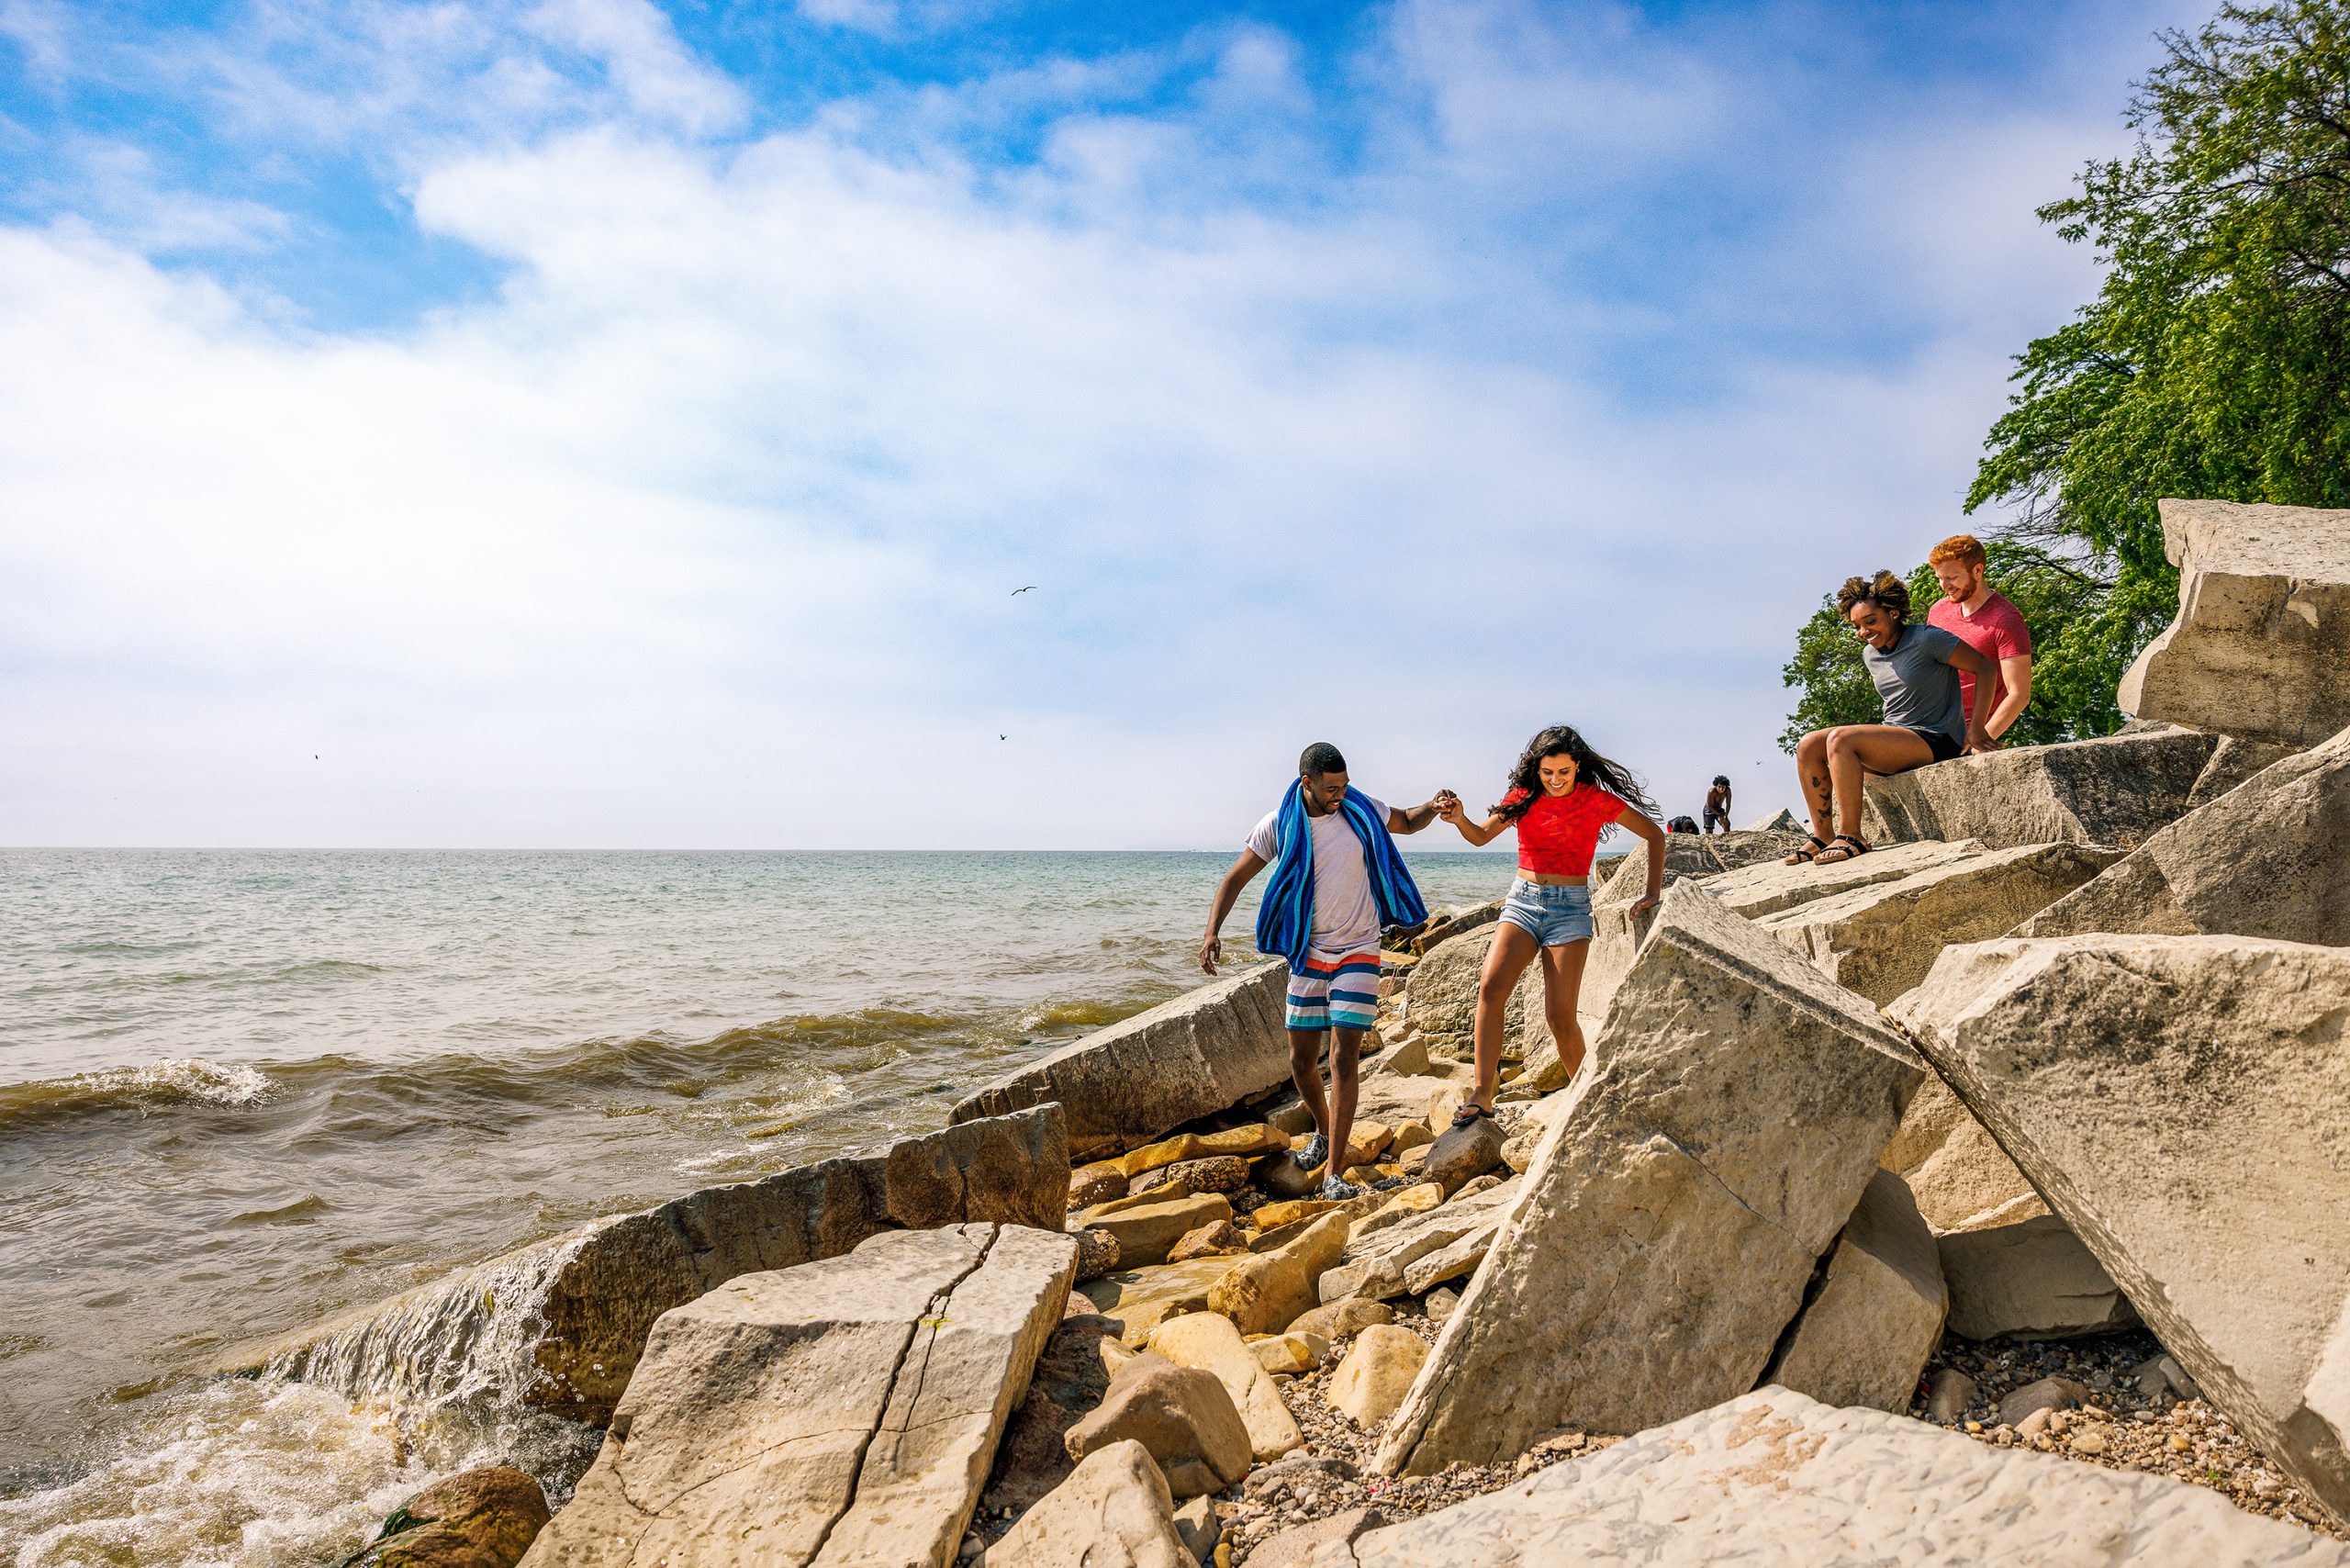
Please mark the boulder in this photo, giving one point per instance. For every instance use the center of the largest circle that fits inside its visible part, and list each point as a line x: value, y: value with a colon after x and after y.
x: 1961, y: 1179
x: 2261, y: 646
x: 1442, y: 992
x: 1139, y: 1300
x: 1379, y: 1265
x: 1096, y: 1183
x: 2029, y: 1279
x: 1181, y: 1414
x: 1343, y: 1319
x: 1190, y: 1057
x: 1113, y: 1511
x: 1265, y: 1293
x: 479, y: 1518
x: 1376, y: 1373
x: 1881, y: 939
x: 1209, y: 1342
x: 2178, y: 1101
x: 1221, y: 1239
x: 2265, y: 860
x: 845, y: 1410
x: 1461, y: 1154
x: 1868, y: 1330
x: 1776, y: 1480
x: 1670, y: 1223
x: 2114, y: 790
x: 1146, y: 1232
x: 1449, y: 923
x: 1070, y: 1376
x: 597, y: 1290
x: 1781, y: 820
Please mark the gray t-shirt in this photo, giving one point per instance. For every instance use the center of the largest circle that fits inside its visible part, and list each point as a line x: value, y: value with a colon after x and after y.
x: 1919, y: 688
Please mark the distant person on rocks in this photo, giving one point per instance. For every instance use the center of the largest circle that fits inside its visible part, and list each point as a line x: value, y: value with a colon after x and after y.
x: 1562, y: 795
x: 1718, y: 805
x: 1916, y: 670
x: 1338, y: 880
x: 1986, y: 621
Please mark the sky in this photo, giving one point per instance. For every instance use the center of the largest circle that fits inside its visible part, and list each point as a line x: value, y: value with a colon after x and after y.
x: 589, y: 423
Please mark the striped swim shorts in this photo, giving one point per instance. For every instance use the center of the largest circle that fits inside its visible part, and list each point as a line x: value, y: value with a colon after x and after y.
x: 1331, y: 991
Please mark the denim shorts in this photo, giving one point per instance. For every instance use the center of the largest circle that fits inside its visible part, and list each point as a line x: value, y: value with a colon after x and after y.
x: 1552, y: 916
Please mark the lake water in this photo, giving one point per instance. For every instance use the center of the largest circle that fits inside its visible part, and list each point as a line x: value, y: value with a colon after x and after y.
x: 243, y: 1090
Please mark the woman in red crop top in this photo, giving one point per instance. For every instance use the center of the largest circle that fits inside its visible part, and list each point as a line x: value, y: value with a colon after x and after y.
x: 1562, y: 796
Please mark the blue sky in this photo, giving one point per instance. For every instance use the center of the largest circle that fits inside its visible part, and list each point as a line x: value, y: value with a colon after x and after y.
x: 583, y: 422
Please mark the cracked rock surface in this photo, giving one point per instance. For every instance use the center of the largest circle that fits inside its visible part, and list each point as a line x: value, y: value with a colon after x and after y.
x: 837, y: 1413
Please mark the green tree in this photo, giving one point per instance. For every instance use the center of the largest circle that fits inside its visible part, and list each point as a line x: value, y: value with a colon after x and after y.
x: 2066, y: 604
x: 2214, y: 361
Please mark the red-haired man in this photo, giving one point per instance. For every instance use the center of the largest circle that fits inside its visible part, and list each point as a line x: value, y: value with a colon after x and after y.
x: 1984, y: 619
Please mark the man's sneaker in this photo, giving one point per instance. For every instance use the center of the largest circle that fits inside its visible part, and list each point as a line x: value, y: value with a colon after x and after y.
x: 1337, y: 1192
x: 1316, y: 1150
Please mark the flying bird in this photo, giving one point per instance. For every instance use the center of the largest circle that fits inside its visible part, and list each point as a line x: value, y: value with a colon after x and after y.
x: 1018, y: 591
x: 1003, y: 737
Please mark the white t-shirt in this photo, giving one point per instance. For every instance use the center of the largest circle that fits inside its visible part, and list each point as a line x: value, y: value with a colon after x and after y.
x: 1345, y: 916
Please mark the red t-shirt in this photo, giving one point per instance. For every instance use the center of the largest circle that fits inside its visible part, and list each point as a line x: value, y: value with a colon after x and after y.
x: 1996, y: 631
x: 1559, y: 833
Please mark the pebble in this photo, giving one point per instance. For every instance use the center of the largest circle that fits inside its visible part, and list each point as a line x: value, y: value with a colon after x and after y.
x: 2130, y: 1421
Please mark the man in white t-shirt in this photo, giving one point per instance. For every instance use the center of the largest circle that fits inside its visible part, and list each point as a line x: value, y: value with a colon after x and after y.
x: 1335, y: 998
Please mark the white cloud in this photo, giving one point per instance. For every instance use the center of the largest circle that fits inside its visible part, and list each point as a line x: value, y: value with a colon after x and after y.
x: 702, y: 529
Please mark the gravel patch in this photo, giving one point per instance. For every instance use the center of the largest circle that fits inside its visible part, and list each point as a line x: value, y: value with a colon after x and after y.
x: 2132, y: 1421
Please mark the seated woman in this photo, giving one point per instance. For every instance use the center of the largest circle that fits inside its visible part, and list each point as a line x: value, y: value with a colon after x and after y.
x: 1916, y: 670
x: 1562, y: 796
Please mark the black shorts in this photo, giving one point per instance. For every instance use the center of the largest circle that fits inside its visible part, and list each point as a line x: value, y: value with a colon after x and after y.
x: 1940, y: 745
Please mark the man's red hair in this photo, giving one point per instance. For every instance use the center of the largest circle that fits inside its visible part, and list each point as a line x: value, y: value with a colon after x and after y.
x: 1959, y: 547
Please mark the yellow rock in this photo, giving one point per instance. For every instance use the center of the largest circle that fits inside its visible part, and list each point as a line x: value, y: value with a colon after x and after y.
x: 1411, y: 1135
x: 1289, y: 1355
x: 1365, y: 1140
x: 1255, y: 1139
x: 1272, y: 1217
x: 1266, y: 1292
x: 1167, y: 1151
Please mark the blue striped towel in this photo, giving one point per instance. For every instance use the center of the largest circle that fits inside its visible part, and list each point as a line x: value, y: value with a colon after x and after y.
x: 1285, y: 918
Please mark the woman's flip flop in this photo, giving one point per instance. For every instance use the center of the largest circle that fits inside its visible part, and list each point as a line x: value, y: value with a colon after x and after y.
x: 1468, y: 1115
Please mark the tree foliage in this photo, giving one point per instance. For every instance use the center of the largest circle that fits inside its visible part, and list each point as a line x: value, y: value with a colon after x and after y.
x: 2064, y: 604
x: 2214, y: 361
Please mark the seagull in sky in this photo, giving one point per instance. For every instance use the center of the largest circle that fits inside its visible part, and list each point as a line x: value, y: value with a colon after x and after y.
x: 1018, y: 591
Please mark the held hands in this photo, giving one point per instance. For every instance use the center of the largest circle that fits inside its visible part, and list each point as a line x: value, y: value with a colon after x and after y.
x: 1448, y: 806
x: 1210, y: 951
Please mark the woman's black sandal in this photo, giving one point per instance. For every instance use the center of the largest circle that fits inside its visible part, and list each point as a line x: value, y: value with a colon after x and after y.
x: 1851, y: 849
x: 1808, y: 854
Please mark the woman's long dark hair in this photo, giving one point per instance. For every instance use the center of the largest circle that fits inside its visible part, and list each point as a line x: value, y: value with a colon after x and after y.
x: 1590, y: 769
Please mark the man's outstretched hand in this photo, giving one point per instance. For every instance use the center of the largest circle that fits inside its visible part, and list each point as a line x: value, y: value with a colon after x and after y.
x: 1447, y: 805
x: 1210, y: 951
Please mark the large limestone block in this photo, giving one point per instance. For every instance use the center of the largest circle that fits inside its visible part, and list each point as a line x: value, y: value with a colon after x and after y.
x: 1881, y: 939
x: 832, y: 1413
x: 2179, y: 1102
x: 2261, y: 644
x: 2118, y: 789
x: 1208, y: 1341
x: 1961, y: 1179
x: 1442, y: 992
x: 2029, y: 1279
x: 1189, y: 1056
x: 1776, y: 1480
x: 599, y: 1289
x: 1113, y: 1511
x: 1868, y: 1331
x: 1377, y: 1263
x: 1670, y: 1222
x: 2266, y: 860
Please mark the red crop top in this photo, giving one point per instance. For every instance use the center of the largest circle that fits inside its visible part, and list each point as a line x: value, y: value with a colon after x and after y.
x: 1559, y: 833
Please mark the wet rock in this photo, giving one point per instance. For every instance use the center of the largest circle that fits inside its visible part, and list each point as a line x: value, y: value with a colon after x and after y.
x: 1266, y: 1292
x: 1185, y: 1059
x: 1774, y: 1480
x: 1180, y: 1414
x: 1210, y: 1343
x: 2261, y: 646
x: 1870, y: 1329
x: 1113, y: 1511
x: 1738, y: 1092
x: 1221, y: 1239
x: 2115, y: 790
x: 2032, y: 1280
x: 2210, y: 1182
x: 852, y: 1404
x: 2264, y: 860
x: 481, y: 1519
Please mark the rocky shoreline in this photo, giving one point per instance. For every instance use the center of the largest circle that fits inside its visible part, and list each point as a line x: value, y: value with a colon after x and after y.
x: 1975, y: 1198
